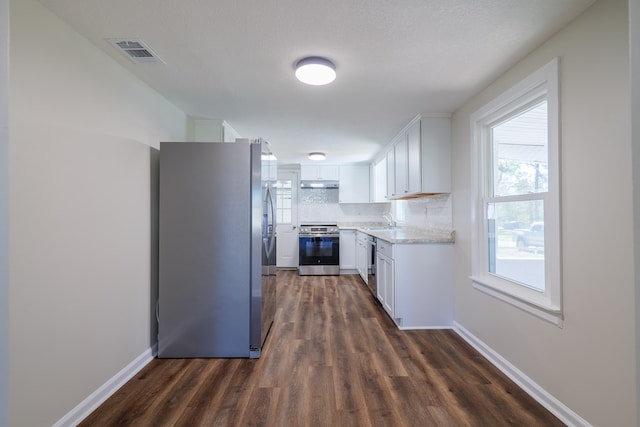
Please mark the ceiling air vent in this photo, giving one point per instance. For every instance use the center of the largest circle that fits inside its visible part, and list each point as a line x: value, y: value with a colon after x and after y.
x: 136, y: 50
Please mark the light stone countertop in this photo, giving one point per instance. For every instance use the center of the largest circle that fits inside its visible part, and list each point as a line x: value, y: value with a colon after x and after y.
x: 359, y: 225
x: 403, y: 234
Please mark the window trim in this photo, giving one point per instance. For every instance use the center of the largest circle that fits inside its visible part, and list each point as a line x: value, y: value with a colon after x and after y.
x: 541, y: 84
x: 279, y: 199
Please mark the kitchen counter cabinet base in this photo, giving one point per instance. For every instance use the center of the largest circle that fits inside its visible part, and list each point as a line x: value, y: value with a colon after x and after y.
x: 347, y: 251
x: 422, y: 283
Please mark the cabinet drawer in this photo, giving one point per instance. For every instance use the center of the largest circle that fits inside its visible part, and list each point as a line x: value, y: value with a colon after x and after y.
x: 385, y: 248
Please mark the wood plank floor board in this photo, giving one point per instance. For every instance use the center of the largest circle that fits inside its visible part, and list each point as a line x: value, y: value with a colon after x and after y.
x: 348, y: 388
x: 321, y: 393
x: 461, y: 355
x: 410, y: 413
x: 464, y: 401
x: 382, y: 407
x: 174, y: 400
x: 263, y: 404
x: 280, y: 361
x: 211, y: 404
x: 333, y: 357
x: 382, y: 352
x: 442, y: 417
x: 234, y: 400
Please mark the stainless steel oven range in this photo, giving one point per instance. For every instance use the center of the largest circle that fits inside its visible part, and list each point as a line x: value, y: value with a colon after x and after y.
x: 319, y: 249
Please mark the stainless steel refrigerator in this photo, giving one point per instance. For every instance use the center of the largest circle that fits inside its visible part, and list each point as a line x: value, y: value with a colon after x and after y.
x: 217, y: 290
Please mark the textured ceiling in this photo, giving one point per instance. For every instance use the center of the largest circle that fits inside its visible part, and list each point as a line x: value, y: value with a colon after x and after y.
x: 233, y: 60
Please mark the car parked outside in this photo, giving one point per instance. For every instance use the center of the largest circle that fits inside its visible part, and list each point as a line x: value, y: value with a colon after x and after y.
x: 531, y: 237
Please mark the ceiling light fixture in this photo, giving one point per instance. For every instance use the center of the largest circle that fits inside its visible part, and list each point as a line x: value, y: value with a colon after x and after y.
x: 317, y: 156
x: 315, y: 71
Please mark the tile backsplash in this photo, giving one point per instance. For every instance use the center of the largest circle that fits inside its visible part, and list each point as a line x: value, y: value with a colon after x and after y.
x: 318, y: 205
x: 425, y: 212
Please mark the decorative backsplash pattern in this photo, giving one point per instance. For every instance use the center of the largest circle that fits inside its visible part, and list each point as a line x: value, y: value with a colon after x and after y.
x: 318, y: 205
x: 318, y: 196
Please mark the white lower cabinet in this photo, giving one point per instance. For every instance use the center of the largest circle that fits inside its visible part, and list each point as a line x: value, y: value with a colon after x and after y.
x: 415, y: 283
x: 361, y: 255
x: 385, y: 279
x: 347, y: 249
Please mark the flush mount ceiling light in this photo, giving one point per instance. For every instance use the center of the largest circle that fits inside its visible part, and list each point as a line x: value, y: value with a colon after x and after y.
x: 315, y: 71
x: 317, y: 156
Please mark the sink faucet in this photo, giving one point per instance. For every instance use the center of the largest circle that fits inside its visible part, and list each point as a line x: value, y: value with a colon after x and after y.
x: 389, y: 217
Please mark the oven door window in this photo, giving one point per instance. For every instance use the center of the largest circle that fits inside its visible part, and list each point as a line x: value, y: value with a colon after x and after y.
x: 319, y: 250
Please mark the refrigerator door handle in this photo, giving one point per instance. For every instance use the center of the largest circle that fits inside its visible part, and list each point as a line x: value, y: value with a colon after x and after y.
x: 271, y: 224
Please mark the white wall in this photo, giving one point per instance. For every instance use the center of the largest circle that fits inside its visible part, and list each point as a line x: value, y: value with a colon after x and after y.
x: 4, y: 213
x: 634, y: 70
x: 589, y: 365
x: 80, y: 286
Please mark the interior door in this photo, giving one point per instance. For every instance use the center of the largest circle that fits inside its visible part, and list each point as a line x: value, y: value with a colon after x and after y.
x: 287, y: 219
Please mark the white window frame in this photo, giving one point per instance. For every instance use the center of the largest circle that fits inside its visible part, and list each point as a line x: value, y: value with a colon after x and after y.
x: 542, y: 84
x: 279, y: 201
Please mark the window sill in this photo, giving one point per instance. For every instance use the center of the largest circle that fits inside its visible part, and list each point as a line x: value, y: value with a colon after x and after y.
x: 550, y: 315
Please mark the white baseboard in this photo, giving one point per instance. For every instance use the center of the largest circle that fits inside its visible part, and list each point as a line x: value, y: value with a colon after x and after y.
x: 95, y: 399
x: 415, y: 328
x: 556, y: 407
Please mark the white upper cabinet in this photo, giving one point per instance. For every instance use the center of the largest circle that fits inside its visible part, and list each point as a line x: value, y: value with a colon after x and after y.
x: 408, y: 173
x: 391, y: 174
x: 354, y: 184
x: 435, y: 146
x: 319, y: 173
x: 401, y: 187
x: 419, y: 159
x: 414, y: 150
x: 379, y: 181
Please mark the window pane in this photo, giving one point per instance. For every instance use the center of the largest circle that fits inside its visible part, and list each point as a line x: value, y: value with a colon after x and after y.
x: 520, y: 154
x: 516, y: 241
x: 283, y: 202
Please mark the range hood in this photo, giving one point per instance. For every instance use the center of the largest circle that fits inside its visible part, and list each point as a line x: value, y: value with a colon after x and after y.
x: 319, y: 185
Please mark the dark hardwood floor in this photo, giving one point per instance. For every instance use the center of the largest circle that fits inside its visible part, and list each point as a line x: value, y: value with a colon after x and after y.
x: 332, y: 358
